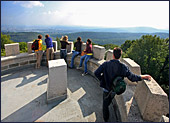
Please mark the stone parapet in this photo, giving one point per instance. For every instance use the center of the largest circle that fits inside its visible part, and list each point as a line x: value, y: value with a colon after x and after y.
x: 12, y: 62
x: 109, y: 55
x: 70, y: 47
x: 55, y: 46
x: 57, y: 71
x: 83, y: 46
x: 134, y: 68
x: 29, y: 46
x: 12, y: 49
x: 152, y: 100
x: 98, y: 52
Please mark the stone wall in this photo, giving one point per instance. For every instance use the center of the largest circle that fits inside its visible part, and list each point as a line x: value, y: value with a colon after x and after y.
x: 12, y: 49
x: 146, y: 99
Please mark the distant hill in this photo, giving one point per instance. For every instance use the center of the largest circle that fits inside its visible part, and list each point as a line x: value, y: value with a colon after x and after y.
x: 97, y: 37
x: 72, y: 29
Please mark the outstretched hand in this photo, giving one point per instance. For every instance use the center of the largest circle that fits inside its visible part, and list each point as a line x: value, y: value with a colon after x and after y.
x: 146, y: 77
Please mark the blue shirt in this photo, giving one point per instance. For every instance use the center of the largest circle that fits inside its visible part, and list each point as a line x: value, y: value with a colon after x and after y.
x: 109, y: 70
x: 49, y: 43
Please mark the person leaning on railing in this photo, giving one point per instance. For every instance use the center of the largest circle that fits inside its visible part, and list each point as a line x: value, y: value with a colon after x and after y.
x: 63, y: 52
x: 39, y: 52
x: 49, y: 48
x: 107, y: 72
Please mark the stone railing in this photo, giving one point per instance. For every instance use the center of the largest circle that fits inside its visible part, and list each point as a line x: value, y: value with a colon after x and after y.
x: 146, y: 99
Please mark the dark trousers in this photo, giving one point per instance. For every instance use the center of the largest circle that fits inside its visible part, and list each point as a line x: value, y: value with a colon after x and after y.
x: 63, y: 54
x: 106, y: 102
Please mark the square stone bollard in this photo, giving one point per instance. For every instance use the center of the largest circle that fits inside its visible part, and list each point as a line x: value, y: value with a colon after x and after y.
x: 152, y: 100
x: 29, y: 46
x: 134, y: 68
x: 70, y: 47
x: 98, y: 52
x: 109, y: 55
x: 57, y: 83
x: 83, y: 46
x: 55, y: 46
x: 12, y: 49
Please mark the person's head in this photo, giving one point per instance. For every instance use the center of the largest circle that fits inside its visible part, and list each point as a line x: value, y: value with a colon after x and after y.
x: 39, y: 36
x: 65, y: 38
x: 47, y: 36
x: 89, y: 41
x: 79, y: 39
x: 117, y: 52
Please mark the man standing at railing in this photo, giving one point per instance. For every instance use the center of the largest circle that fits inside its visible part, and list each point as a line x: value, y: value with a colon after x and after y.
x: 107, y: 72
x: 49, y: 48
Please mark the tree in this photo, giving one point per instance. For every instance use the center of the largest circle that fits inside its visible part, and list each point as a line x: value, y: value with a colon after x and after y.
x: 152, y: 54
x: 5, y: 39
x: 58, y: 43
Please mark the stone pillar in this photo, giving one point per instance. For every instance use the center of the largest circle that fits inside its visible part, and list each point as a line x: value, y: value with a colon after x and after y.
x: 98, y: 52
x: 55, y: 46
x: 109, y: 55
x: 134, y: 68
x: 152, y: 100
x: 12, y: 49
x: 57, y: 83
x: 83, y: 46
x: 70, y: 47
x: 29, y: 46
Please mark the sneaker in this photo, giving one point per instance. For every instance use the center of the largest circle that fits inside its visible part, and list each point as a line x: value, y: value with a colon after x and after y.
x: 85, y: 73
x: 78, y: 68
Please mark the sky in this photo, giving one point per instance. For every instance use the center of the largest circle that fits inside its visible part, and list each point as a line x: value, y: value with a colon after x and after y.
x: 111, y: 14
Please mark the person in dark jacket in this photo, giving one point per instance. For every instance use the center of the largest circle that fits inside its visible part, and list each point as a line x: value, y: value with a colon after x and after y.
x: 63, y: 51
x: 77, y: 51
x: 107, y: 72
x: 88, y: 55
x: 49, y: 48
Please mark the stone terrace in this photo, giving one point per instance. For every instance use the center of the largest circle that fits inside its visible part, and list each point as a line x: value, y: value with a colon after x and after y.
x: 23, y: 91
x: 23, y: 98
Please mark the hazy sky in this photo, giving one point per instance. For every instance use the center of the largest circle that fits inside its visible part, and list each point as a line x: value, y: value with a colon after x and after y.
x: 86, y: 13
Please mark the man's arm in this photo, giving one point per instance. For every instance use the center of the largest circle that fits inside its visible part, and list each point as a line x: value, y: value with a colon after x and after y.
x: 133, y: 77
x: 99, y: 71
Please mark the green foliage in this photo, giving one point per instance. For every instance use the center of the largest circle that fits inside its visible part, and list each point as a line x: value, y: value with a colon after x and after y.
x: 110, y: 46
x: 126, y: 45
x: 23, y: 47
x: 152, y: 54
x: 5, y: 39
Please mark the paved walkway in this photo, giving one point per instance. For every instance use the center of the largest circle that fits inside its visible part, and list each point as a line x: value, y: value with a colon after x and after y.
x: 23, y: 98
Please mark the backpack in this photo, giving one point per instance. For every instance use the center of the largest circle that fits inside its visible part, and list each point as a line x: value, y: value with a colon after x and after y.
x: 119, y: 85
x: 35, y: 45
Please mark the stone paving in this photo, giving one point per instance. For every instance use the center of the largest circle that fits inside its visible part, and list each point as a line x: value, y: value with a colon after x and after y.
x: 23, y: 98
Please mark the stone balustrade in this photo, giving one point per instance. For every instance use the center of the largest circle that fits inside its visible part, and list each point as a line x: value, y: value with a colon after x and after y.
x: 12, y: 49
x: 151, y: 100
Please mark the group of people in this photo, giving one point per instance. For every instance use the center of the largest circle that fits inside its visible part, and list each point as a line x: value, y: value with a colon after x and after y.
x: 106, y: 72
x: 87, y: 53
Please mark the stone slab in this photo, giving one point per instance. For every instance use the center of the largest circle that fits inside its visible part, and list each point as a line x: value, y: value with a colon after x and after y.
x: 12, y: 49
x: 98, y: 52
x: 29, y: 46
x: 152, y: 100
x: 70, y: 47
x: 134, y: 68
x: 83, y: 46
x: 55, y: 46
x: 57, y: 84
x: 109, y: 55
